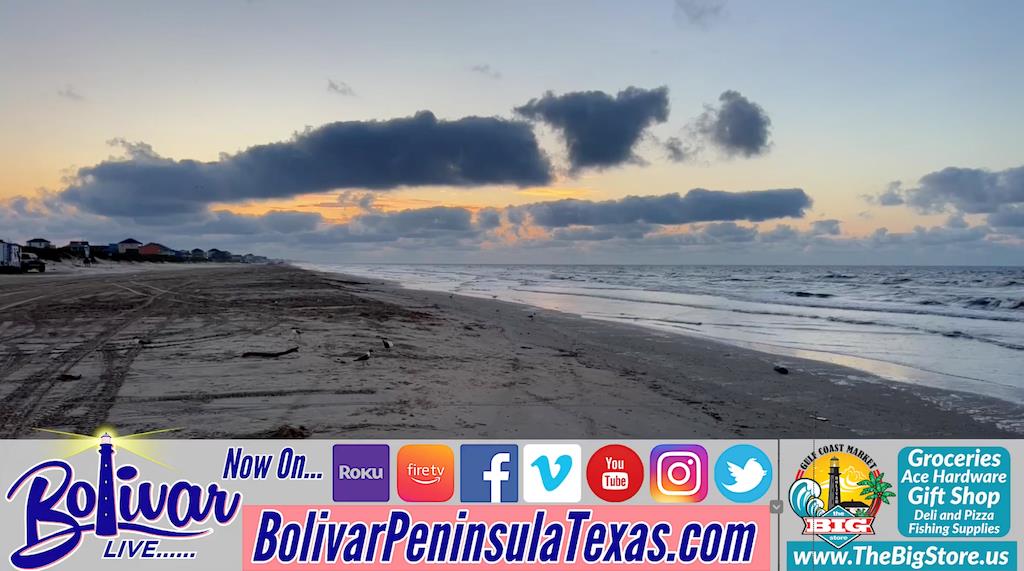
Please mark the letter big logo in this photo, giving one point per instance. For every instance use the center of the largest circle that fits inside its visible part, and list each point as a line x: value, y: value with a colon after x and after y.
x: 361, y: 473
x: 489, y: 473
x: 425, y: 473
x: 615, y: 473
x: 552, y: 473
x: 679, y: 473
x: 838, y: 492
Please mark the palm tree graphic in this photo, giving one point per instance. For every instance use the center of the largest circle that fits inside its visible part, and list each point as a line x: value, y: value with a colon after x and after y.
x: 876, y: 490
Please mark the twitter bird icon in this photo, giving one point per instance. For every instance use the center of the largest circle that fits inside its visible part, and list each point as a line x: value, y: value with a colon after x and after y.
x: 743, y: 473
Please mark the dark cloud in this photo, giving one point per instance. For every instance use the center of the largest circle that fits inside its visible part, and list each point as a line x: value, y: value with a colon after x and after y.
x: 489, y: 218
x: 738, y: 126
x: 378, y: 155
x: 600, y: 130
x: 729, y: 232
x: 457, y: 234
x: 486, y: 70
x: 602, y: 233
x: 1008, y: 217
x: 677, y: 150
x: 967, y: 190
x: 697, y: 205
x: 340, y: 87
x: 434, y: 223
x: 891, y: 196
x: 933, y: 236
x: 70, y: 93
x: 698, y: 12
x: 781, y: 233
x: 956, y: 221
x: 222, y: 222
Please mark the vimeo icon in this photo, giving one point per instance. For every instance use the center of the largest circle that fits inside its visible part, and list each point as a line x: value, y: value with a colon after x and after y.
x: 552, y: 473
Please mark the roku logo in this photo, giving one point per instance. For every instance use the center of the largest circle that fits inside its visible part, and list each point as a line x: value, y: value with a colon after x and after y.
x: 350, y: 473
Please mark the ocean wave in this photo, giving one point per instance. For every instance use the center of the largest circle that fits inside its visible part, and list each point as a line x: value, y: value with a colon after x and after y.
x: 810, y: 294
x: 798, y: 315
x: 989, y: 302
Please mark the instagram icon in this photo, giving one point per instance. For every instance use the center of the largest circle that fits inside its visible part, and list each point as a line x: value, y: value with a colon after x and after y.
x: 679, y: 473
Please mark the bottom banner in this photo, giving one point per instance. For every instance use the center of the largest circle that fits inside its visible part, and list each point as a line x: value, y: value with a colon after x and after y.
x: 278, y: 537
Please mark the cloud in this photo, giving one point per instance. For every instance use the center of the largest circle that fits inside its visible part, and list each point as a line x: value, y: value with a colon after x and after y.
x: 738, y: 126
x: 826, y: 228
x: 729, y: 232
x: 956, y: 221
x: 781, y: 233
x: 961, y: 191
x: 967, y: 190
x: 698, y: 13
x: 1008, y: 217
x: 222, y: 222
x: 437, y: 225
x: 340, y: 87
x: 489, y: 218
x: 600, y: 131
x: 69, y: 92
x: 677, y: 150
x: 375, y: 155
x: 634, y: 231
x: 486, y: 70
x: 356, y: 199
x: 892, y: 195
x: 511, y: 235
x: 697, y: 205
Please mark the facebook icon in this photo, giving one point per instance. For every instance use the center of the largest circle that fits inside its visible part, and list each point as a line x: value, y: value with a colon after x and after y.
x: 489, y: 473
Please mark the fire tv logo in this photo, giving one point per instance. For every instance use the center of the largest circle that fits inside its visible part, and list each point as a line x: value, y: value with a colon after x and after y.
x: 426, y: 473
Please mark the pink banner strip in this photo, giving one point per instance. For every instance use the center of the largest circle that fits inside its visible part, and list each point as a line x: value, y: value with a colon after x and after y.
x: 560, y: 537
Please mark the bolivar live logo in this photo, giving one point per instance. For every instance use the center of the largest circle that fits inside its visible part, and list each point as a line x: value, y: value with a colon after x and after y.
x: 76, y: 508
x: 838, y: 492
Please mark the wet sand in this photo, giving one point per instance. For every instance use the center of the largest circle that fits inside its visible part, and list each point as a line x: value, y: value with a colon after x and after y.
x: 166, y: 347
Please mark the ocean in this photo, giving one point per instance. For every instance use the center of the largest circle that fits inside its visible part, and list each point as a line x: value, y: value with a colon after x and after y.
x: 953, y: 328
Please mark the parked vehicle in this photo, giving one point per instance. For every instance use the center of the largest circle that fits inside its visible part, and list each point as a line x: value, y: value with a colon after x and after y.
x: 10, y: 257
x: 31, y: 262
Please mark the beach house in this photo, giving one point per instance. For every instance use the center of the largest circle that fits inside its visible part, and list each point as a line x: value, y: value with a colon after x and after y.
x: 79, y: 248
x: 128, y: 246
x: 41, y: 243
x: 155, y: 249
x: 215, y: 255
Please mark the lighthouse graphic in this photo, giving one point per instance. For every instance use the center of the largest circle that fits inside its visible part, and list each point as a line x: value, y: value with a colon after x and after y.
x: 834, y: 492
x: 106, y: 521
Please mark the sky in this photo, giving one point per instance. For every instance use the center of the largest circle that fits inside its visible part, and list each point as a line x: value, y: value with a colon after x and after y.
x: 666, y: 131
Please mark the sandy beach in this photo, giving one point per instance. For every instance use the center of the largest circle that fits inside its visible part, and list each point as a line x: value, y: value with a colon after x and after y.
x: 190, y: 348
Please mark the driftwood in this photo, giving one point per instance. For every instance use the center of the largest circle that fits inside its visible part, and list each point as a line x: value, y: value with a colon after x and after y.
x: 270, y: 354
